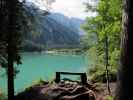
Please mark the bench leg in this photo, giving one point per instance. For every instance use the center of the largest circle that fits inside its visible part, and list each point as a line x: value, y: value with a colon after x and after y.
x: 57, y: 80
x: 84, y: 78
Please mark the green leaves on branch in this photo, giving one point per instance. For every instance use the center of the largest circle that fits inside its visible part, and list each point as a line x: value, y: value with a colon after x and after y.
x: 107, y: 22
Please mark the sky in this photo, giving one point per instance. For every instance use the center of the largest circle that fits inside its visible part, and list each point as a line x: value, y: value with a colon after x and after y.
x: 70, y: 8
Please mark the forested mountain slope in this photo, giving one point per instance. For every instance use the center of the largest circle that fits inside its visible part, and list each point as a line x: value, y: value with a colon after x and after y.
x: 50, y: 30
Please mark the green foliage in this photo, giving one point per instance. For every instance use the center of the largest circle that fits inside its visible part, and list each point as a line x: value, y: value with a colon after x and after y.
x: 107, y: 22
x: 98, y: 74
x: 3, y: 97
x: 109, y: 98
x: 5, y: 33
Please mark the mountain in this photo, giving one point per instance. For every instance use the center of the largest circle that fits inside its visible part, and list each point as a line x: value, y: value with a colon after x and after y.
x: 50, y: 30
x: 71, y: 22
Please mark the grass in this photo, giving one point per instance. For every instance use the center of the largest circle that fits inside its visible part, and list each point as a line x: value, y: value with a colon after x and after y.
x: 109, y: 98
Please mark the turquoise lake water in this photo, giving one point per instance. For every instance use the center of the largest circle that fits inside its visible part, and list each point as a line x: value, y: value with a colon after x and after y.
x: 37, y: 66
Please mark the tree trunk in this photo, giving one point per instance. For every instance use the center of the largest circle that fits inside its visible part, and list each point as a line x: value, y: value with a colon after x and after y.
x: 125, y: 79
x: 10, y: 77
x: 12, y: 5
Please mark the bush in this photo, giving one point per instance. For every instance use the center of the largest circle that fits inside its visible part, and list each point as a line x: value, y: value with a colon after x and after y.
x: 98, y: 74
x: 109, y: 98
x: 3, y: 97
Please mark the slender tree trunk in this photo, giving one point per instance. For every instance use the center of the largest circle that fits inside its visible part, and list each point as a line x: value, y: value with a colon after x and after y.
x: 125, y: 85
x: 11, y: 46
x: 10, y: 77
x: 107, y: 64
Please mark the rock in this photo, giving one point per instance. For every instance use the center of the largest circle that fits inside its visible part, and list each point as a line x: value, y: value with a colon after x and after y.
x: 82, y: 96
x: 60, y: 91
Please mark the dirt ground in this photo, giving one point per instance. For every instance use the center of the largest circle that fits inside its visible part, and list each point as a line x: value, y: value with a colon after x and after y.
x: 102, y: 91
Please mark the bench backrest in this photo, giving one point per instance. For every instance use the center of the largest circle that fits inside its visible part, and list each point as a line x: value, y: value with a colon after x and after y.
x: 82, y: 76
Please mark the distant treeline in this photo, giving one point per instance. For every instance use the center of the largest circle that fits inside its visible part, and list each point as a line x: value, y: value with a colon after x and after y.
x: 31, y: 46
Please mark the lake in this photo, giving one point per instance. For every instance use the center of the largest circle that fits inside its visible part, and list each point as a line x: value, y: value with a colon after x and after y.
x: 37, y: 66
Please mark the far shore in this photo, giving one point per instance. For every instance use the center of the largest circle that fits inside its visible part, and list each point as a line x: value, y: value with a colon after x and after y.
x: 59, y: 51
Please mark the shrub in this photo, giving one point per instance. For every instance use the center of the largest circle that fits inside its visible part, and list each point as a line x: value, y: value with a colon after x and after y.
x: 3, y: 97
x: 98, y: 74
x: 109, y: 98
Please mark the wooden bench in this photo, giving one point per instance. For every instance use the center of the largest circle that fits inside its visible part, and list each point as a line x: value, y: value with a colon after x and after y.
x: 82, y: 76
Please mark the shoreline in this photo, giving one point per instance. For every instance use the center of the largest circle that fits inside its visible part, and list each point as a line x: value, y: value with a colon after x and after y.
x: 55, y: 52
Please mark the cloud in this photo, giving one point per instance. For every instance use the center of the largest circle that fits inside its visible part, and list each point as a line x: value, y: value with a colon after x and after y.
x: 42, y: 4
x: 71, y: 8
